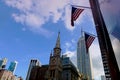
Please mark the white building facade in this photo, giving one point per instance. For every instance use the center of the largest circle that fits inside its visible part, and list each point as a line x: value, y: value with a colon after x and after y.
x: 83, y: 59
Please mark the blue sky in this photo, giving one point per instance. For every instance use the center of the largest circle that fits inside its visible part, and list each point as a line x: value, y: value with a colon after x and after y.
x: 29, y: 30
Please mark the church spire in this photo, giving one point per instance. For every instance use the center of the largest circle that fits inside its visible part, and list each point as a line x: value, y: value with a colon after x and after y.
x: 58, y: 41
x: 57, y: 49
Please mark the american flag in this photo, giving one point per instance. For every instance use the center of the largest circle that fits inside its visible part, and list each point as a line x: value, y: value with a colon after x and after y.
x: 116, y: 32
x: 75, y: 14
x: 88, y: 40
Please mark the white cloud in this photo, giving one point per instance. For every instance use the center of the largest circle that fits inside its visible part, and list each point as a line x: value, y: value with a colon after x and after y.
x: 73, y: 41
x: 116, y: 47
x: 80, y: 2
x: 71, y: 45
x: 70, y: 51
x: 96, y: 60
x: 35, y: 13
x: 67, y: 18
x: 67, y: 45
x: 72, y: 55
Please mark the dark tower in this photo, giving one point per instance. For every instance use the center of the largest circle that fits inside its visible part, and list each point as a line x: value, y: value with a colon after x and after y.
x: 55, y: 63
x: 108, y: 57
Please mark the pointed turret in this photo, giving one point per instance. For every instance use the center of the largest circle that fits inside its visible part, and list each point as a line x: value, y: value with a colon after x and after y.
x: 55, y: 63
x: 58, y: 41
x: 51, y: 54
x: 57, y: 49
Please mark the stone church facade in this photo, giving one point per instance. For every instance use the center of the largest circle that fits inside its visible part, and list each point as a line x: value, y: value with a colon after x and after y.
x: 55, y: 70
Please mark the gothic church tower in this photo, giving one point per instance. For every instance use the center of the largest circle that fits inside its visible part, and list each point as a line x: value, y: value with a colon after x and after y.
x: 55, y: 63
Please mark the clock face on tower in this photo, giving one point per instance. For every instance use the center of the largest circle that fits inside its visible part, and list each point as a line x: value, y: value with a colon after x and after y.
x: 53, y: 60
x: 57, y: 51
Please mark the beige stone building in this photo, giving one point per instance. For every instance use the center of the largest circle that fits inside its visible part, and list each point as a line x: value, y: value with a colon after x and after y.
x: 8, y: 75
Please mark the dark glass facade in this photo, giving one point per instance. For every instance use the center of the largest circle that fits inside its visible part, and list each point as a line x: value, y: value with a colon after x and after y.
x: 104, y: 29
x: 111, y: 14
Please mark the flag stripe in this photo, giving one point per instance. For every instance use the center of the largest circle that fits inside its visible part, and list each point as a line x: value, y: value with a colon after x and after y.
x: 88, y: 40
x: 75, y: 14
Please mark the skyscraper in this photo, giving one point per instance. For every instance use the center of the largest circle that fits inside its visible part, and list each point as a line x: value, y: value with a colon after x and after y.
x: 3, y: 63
x: 33, y: 62
x: 13, y: 66
x: 110, y: 64
x: 115, y: 31
x: 103, y: 77
x: 83, y: 59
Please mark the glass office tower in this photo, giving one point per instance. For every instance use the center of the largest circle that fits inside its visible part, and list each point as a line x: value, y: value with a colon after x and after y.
x: 106, y: 29
x: 83, y: 59
x: 111, y: 15
x: 13, y: 66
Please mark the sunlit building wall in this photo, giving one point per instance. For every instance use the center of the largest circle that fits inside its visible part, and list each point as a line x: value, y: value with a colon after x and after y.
x: 103, y: 77
x: 83, y: 59
x: 8, y: 75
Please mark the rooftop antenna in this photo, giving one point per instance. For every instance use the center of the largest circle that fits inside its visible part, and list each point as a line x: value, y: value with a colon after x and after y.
x: 82, y: 32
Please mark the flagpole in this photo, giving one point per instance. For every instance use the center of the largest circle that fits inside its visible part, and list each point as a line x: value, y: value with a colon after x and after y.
x: 82, y: 32
x: 81, y: 6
